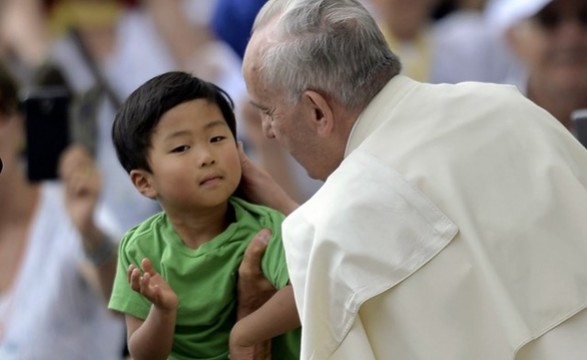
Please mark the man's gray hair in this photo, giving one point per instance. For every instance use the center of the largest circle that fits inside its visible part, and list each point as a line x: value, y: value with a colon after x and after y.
x: 331, y: 46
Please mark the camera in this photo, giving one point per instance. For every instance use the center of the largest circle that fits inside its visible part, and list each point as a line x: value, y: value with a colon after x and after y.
x: 46, y: 114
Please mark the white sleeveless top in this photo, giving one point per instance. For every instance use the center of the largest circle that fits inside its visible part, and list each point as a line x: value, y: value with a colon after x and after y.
x: 53, y: 312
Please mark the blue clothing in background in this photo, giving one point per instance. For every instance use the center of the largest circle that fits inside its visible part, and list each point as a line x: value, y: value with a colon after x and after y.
x: 232, y: 21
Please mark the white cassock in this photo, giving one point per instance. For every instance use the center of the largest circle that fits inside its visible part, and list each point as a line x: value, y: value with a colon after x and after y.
x: 455, y: 228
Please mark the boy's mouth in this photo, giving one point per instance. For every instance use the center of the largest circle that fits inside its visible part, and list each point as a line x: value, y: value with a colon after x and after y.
x: 210, y: 179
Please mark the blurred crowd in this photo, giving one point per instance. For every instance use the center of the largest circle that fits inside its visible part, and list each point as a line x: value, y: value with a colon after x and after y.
x: 58, y: 237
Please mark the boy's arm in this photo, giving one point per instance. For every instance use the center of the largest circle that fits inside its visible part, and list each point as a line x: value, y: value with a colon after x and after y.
x: 277, y: 316
x: 153, y: 337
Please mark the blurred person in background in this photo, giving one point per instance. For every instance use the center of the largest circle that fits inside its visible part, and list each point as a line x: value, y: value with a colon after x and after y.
x: 24, y: 40
x: 547, y: 40
x: 232, y: 21
x: 104, y: 50
x: 468, y: 48
x: 452, y: 49
x: 446, y: 7
x: 406, y: 25
x: 56, y: 265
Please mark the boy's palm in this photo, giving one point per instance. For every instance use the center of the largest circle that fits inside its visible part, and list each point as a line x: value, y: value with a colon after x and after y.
x: 152, y: 286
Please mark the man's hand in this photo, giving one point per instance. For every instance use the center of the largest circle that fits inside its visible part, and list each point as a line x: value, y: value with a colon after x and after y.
x: 253, y: 289
x: 260, y: 188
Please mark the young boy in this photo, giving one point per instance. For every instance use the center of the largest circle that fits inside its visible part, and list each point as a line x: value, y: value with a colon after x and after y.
x: 176, y: 278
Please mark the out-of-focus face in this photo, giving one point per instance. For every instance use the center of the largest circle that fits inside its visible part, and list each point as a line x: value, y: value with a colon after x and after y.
x: 553, y: 45
x: 194, y: 158
x: 405, y: 8
x: 403, y: 13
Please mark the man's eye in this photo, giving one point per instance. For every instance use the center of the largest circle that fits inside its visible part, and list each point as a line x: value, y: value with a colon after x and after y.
x: 267, y: 113
x: 179, y: 149
x: 217, y: 138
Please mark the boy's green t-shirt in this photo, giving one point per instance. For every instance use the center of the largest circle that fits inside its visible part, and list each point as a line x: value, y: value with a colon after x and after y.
x: 204, y: 279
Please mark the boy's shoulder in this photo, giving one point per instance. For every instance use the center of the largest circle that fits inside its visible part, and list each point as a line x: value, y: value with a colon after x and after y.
x: 148, y: 228
x: 259, y: 212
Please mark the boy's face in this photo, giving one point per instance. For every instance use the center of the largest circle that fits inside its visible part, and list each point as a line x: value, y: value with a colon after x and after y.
x: 193, y: 157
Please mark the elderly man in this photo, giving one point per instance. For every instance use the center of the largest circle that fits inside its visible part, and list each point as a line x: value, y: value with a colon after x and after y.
x: 451, y: 224
x: 548, y: 39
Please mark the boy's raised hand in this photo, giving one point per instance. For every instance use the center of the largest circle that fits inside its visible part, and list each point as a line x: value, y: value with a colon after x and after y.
x: 153, y: 286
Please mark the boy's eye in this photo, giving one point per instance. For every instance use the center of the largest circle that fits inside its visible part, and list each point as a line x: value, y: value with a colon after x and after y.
x: 217, y: 138
x: 181, y: 148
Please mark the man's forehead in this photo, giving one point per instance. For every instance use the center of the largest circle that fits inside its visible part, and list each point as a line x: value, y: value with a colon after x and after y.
x: 266, y: 34
x: 259, y: 40
x: 256, y: 47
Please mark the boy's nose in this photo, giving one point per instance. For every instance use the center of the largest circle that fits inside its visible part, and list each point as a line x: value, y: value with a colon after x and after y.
x: 206, y: 157
x: 208, y: 162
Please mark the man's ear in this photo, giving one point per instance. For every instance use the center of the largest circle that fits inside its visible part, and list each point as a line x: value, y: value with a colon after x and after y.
x: 141, y: 179
x: 322, y: 115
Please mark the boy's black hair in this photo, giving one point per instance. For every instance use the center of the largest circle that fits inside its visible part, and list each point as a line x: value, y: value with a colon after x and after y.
x: 143, y: 109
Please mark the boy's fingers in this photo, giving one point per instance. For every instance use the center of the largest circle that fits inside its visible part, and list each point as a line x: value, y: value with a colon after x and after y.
x: 135, y: 277
x: 147, y: 266
x: 144, y: 283
x: 129, y: 271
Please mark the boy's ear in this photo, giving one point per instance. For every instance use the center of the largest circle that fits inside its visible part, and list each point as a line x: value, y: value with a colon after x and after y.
x: 141, y: 179
x: 321, y: 112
